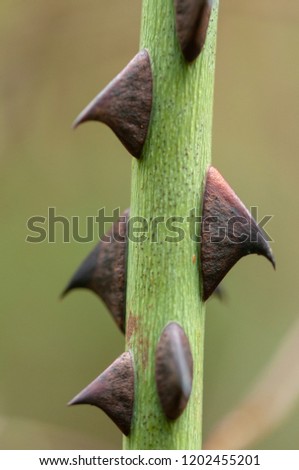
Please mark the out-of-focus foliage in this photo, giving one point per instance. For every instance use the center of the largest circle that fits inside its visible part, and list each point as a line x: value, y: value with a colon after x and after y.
x: 55, y: 56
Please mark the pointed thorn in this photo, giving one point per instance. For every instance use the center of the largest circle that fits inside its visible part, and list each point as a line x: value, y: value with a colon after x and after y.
x: 84, y: 275
x: 174, y: 370
x: 113, y: 392
x: 104, y: 271
x: 125, y: 104
x: 228, y: 232
x: 79, y: 120
x: 192, y: 21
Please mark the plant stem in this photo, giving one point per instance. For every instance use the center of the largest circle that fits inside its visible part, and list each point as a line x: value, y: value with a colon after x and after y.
x: 164, y: 281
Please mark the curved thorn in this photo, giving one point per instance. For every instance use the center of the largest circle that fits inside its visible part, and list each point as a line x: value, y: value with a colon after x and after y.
x: 125, y: 104
x: 228, y: 232
x: 174, y: 370
x: 83, y: 276
x: 104, y: 271
x: 113, y: 392
x: 192, y: 21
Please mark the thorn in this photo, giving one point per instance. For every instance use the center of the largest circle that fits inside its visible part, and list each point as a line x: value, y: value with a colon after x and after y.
x: 174, y: 370
x: 192, y: 21
x: 83, y: 276
x: 125, y: 104
x: 113, y: 392
x: 104, y: 271
x: 229, y: 232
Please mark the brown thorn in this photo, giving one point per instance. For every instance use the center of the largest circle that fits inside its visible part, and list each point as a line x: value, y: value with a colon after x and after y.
x: 192, y: 21
x: 174, y: 370
x: 104, y: 271
x: 125, y: 104
x: 228, y: 232
x: 113, y: 392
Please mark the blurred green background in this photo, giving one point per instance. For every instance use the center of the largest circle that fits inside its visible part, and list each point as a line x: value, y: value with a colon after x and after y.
x: 55, y: 56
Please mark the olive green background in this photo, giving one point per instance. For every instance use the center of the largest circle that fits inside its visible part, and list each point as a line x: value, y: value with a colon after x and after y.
x: 55, y: 56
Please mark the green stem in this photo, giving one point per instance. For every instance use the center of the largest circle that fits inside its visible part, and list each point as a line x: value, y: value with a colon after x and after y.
x: 164, y: 282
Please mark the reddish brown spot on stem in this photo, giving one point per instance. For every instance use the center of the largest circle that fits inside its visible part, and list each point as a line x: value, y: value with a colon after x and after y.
x: 143, y: 347
x: 104, y: 271
x: 125, y: 104
x: 192, y: 21
x: 113, y: 392
x: 174, y: 370
x: 229, y: 232
x: 131, y: 326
